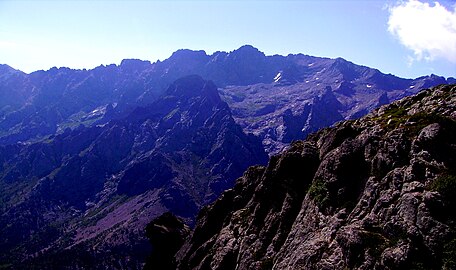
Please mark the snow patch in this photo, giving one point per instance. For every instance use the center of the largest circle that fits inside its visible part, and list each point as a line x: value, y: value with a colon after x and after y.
x: 278, y: 77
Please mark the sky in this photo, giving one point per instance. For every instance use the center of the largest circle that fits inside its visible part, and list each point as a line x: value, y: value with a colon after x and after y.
x: 407, y: 38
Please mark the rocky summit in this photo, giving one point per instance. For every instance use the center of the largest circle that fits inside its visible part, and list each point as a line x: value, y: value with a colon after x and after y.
x: 83, y: 198
x: 373, y: 193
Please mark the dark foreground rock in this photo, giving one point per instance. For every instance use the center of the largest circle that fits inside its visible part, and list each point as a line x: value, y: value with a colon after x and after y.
x: 166, y: 233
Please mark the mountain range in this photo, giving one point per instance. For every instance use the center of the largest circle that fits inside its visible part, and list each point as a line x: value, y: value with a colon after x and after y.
x: 89, y: 157
x: 278, y: 98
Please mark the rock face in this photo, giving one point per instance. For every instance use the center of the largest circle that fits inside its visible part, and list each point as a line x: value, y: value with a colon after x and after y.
x: 309, y: 93
x: 375, y: 193
x: 88, y: 193
x: 47, y: 102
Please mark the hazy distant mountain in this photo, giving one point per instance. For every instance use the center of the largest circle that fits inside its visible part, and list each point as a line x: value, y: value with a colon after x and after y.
x: 279, y: 98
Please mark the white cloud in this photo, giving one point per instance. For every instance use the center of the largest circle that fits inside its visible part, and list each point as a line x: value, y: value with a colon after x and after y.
x: 428, y: 30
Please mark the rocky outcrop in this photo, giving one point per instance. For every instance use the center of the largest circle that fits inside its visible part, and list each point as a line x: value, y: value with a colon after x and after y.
x: 374, y: 193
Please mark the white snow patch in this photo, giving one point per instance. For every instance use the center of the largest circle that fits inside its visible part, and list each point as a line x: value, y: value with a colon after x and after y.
x: 278, y: 77
x: 412, y: 86
x: 311, y: 64
x: 368, y: 85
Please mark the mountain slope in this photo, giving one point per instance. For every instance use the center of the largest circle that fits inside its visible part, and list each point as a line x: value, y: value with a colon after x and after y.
x: 375, y: 193
x: 313, y: 93
x: 89, y: 192
x: 45, y: 102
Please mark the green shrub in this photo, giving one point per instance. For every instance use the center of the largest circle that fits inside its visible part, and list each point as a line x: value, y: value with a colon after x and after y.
x: 318, y: 191
x: 449, y: 255
x: 446, y: 186
x: 267, y: 263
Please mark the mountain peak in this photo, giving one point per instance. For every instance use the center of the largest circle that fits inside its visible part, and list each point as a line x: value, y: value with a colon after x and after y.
x: 342, y: 63
x: 187, y: 54
x: 4, y: 69
x: 134, y: 64
x: 246, y: 50
x: 247, y: 47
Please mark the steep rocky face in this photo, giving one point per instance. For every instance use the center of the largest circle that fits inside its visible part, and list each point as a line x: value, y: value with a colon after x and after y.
x: 311, y: 93
x: 89, y: 192
x: 374, y: 193
x: 47, y: 102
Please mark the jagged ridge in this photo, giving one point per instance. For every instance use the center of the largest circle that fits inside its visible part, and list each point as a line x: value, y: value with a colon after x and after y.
x: 279, y: 98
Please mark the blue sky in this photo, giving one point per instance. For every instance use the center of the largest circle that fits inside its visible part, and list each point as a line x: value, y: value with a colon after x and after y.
x: 83, y: 34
